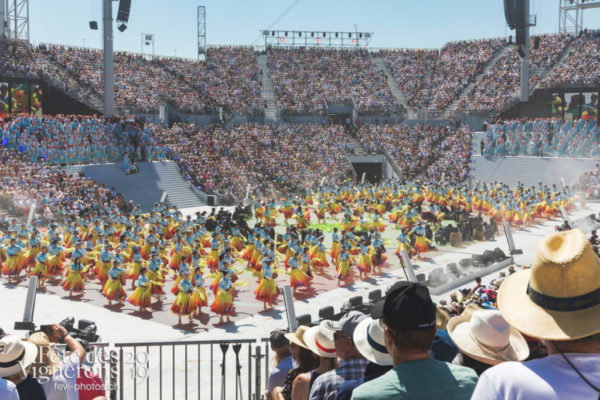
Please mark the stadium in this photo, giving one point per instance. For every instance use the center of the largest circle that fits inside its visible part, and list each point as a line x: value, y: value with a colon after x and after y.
x: 321, y: 214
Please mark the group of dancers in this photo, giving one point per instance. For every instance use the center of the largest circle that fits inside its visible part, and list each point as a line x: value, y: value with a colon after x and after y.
x: 113, y: 247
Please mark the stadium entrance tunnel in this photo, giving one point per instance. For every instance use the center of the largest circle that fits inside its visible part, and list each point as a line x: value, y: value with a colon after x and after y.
x: 372, y: 170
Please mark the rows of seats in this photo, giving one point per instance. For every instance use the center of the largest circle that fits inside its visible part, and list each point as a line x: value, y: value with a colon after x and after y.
x: 501, y: 83
x: 273, y: 160
x: 432, y: 79
x: 306, y: 79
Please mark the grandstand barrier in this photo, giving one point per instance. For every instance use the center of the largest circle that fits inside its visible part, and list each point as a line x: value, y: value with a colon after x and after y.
x: 440, y: 282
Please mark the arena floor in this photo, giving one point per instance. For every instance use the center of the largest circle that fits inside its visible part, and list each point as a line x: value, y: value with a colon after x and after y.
x: 126, y: 323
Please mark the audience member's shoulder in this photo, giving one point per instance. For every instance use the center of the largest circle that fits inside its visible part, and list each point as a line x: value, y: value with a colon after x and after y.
x: 378, y: 388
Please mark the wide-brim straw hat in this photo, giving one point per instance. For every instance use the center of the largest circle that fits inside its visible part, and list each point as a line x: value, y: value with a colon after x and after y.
x: 369, y: 339
x: 15, y: 355
x: 319, y: 341
x: 487, y: 337
x: 559, y: 297
x: 298, y: 337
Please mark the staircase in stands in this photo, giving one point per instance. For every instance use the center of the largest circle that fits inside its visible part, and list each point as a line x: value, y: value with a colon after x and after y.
x: 393, y: 85
x: 267, y: 91
x: 146, y: 187
x: 469, y: 88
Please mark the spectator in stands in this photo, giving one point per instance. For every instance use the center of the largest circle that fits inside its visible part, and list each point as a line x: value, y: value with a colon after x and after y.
x: 16, y: 357
x: 409, y: 317
x: 283, y: 361
x: 369, y: 339
x: 485, y: 339
x: 353, y: 363
x: 306, y: 361
x: 319, y: 339
x: 556, y: 301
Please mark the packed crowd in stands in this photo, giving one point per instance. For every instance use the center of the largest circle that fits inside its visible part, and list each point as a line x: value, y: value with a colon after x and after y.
x: 75, y: 139
x: 432, y: 79
x: 306, y: 79
x: 578, y: 68
x: 285, y: 158
x: 19, y: 59
x: 429, y: 149
x: 230, y: 78
x: 500, y: 84
x: 569, y: 138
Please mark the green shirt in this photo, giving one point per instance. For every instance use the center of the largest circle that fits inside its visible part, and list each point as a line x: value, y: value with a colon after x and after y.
x: 420, y: 379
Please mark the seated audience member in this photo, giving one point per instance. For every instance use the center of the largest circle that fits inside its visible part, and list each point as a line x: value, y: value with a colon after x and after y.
x: 283, y: 360
x: 485, y: 339
x: 353, y: 363
x: 306, y: 361
x: 556, y: 301
x: 16, y: 357
x: 408, y: 316
x: 369, y: 339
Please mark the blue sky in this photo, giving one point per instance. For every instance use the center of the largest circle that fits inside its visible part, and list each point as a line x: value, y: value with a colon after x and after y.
x: 395, y: 23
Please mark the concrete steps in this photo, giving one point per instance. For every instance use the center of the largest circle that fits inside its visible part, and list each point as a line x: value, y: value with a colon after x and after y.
x: 146, y: 187
x: 529, y: 170
x: 267, y: 91
x: 392, y: 83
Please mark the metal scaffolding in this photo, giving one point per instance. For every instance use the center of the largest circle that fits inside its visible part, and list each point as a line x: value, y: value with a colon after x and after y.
x: 202, y: 56
x: 316, y: 39
x: 570, y: 14
x: 16, y: 23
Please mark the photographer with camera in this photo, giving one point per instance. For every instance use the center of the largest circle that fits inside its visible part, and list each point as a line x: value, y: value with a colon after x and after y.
x: 58, y: 375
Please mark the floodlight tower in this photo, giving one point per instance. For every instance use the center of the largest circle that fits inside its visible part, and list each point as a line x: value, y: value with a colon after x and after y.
x: 15, y: 19
x: 201, y: 22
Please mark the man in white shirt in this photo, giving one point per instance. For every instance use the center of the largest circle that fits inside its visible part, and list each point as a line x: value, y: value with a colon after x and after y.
x: 8, y: 390
x: 557, y: 301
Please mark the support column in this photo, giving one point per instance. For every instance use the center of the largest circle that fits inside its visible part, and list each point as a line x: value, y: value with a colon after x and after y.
x: 109, y: 71
x: 524, y: 97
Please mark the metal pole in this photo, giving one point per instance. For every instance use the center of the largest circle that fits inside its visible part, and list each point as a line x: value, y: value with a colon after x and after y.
x: 109, y: 78
x: 525, y: 60
x: 16, y: 19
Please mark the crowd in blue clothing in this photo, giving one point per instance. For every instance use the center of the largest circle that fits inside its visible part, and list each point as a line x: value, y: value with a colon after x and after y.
x: 76, y: 139
x: 577, y: 138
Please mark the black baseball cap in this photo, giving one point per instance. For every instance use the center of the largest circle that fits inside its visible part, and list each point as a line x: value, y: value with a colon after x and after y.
x: 278, y: 339
x: 407, y: 306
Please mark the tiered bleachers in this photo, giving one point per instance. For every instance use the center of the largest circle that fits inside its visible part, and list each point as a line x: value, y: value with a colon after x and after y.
x: 284, y: 159
x: 581, y: 67
x: 431, y: 79
x: 229, y: 78
x: 500, y: 85
x: 429, y: 149
x: 304, y: 79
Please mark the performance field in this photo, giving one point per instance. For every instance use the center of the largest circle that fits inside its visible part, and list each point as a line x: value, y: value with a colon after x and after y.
x: 198, y: 202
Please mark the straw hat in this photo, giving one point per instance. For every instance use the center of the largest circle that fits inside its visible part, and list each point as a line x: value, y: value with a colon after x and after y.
x: 369, y: 339
x: 15, y: 355
x: 319, y: 340
x: 47, y: 357
x: 298, y: 337
x: 559, y: 297
x: 486, y: 336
